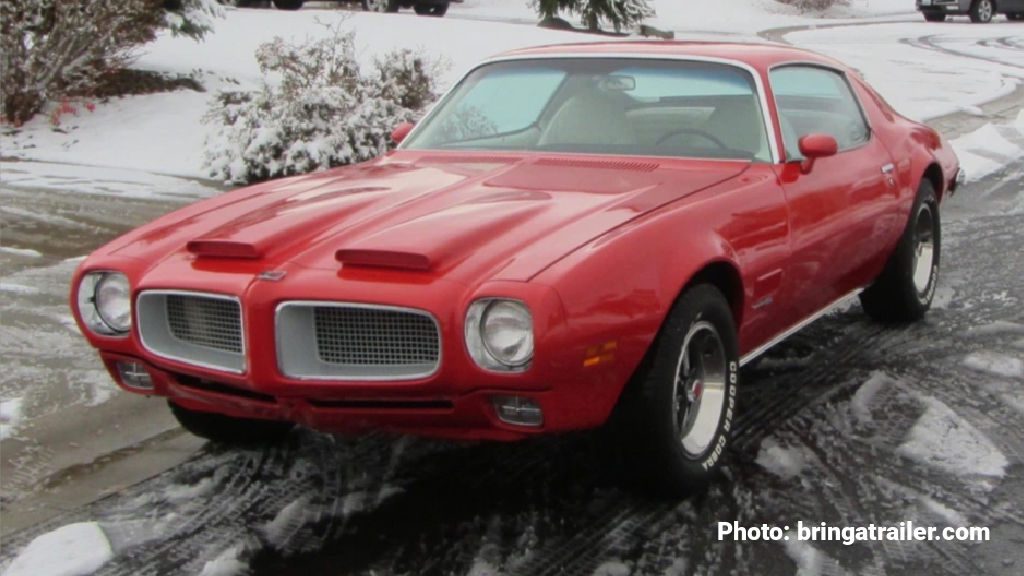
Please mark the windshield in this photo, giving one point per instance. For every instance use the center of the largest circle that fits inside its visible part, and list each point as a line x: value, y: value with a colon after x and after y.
x: 602, y: 105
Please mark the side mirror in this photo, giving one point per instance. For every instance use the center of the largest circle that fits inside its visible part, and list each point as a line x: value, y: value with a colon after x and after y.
x: 401, y: 131
x: 814, y: 146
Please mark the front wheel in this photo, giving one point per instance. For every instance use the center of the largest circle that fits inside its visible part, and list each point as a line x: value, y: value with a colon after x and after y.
x: 904, y: 290
x: 982, y: 11
x: 675, y: 425
x: 227, y: 430
x: 934, y: 16
x: 437, y: 10
x: 287, y: 4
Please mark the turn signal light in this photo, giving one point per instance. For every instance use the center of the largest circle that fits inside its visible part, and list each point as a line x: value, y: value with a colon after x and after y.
x: 518, y: 410
x: 134, y: 374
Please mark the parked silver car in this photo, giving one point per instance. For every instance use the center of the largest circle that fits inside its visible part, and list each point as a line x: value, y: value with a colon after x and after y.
x: 979, y: 10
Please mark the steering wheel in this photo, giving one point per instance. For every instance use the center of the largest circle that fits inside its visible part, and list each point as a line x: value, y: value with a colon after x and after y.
x: 694, y: 131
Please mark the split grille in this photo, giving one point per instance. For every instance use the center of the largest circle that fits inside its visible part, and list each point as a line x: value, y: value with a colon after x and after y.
x: 375, y: 337
x: 207, y: 322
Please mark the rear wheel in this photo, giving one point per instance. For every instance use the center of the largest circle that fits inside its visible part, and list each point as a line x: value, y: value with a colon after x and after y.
x: 934, y: 16
x: 437, y: 10
x: 674, y: 426
x: 380, y: 5
x: 982, y: 11
x: 287, y: 4
x: 228, y: 430
x: 1016, y: 16
x: 904, y: 290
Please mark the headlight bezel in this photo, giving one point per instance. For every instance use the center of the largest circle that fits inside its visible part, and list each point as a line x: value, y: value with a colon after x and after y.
x: 89, y: 308
x: 480, y: 345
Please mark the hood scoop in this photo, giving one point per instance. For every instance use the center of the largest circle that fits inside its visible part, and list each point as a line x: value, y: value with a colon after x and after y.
x: 224, y: 249
x: 394, y: 259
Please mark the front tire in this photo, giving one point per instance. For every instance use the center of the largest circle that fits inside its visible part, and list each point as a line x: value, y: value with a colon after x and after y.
x: 287, y: 4
x: 982, y: 11
x: 227, y: 430
x: 934, y: 16
x: 904, y: 290
x: 675, y: 425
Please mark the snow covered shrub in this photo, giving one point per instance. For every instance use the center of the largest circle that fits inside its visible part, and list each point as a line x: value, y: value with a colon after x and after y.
x: 814, y: 5
x: 51, y: 47
x: 192, y: 18
x: 619, y: 13
x: 325, y: 111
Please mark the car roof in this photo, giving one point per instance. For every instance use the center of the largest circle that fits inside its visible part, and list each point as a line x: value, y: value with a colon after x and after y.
x: 760, y: 56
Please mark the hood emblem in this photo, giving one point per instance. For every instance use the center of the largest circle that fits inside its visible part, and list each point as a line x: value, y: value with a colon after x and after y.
x: 271, y: 275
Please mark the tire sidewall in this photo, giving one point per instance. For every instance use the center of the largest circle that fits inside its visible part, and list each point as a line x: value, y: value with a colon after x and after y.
x: 701, y: 303
x: 925, y: 197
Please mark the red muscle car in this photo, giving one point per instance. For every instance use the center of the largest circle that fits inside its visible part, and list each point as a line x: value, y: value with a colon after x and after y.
x: 573, y: 231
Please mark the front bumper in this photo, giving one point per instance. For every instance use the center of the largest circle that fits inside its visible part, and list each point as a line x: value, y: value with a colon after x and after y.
x: 467, y: 416
x: 947, y: 6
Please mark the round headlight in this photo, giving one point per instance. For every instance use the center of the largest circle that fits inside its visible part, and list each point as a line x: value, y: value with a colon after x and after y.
x: 506, y: 329
x: 113, y: 301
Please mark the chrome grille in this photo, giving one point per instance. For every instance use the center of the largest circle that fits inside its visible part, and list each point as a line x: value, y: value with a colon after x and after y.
x: 375, y: 337
x: 198, y: 329
x: 208, y: 322
x: 321, y: 340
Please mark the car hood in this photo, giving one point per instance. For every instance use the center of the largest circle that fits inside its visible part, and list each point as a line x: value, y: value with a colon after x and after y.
x: 469, y: 217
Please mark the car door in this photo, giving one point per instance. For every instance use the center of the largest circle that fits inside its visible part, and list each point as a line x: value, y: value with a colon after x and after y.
x: 838, y: 210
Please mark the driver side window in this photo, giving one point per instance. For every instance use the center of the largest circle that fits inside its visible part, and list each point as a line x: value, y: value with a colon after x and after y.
x: 817, y: 100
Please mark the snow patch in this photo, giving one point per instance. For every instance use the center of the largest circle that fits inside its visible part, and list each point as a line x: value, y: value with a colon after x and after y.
x: 287, y: 521
x: 613, y: 568
x: 178, y: 493
x: 19, y: 289
x: 225, y: 564
x: 995, y: 363
x: 860, y: 404
x: 23, y: 252
x: 781, y: 461
x: 72, y: 550
x: 808, y: 559
x: 10, y: 417
x: 947, y: 514
x: 984, y: 151
x: 942, y: 439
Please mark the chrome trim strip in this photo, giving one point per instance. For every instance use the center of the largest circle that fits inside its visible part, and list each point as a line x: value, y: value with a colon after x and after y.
x: 752, y: 355
x: 769, y: 124
x: 241, y: 326
x: 361, y: 305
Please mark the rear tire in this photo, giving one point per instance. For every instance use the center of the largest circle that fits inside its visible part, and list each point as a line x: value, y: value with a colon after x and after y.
x: 673, y: 423
x: 227, y: 430
x: 1015, y: 16
x: 380, y: 5
x: 287, y: 4
x: 934, y: 16
x: 904, y: 290
x: 982, y: 11
x: 436, y: 10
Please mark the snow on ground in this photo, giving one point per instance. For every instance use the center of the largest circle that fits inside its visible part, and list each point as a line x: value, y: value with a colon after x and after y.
x: 986, y: 150
x: 72, y: 550
x: 226, y: 564
x: 923, y: 70
x: 995, y: 363
x: 943, y: 439
x: 10, y: 417
x: 164, y: 133
x: 21, y: 252
x: 782, y: 461
x: 109, y: 181
x: 860, y: 404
